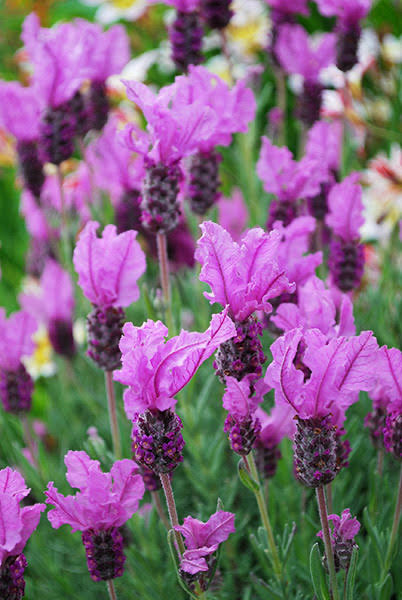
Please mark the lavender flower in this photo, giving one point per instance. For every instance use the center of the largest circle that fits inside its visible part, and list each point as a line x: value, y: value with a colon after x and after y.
x: 274, y: 427
x: 342, y: 534
x: 186, y: 34
x: 216, y: 13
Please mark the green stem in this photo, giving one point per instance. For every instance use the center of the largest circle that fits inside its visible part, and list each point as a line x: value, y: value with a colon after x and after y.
x: 322, y: 508
x: 250, y: 464
x: 171, y: 505
x: 114, y: 426
x: 281, y: 98
x: 111, y: 590
x: 394, y: 531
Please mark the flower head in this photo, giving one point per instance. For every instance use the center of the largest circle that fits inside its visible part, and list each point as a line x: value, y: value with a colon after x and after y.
x: 15, y: 338
x: 202, y: 539
x: 289, y: 6
x: 19, y: 110
x: 18, y: 522
x: 348, y: 11
x: 156, y: 370
x: 298, y: 55
x: 343, y: 532
x: 109, y: 267
x: 278, y: 424
x: 105, y: 500
x: 324, y: 144
x: 233, y: 214
x: 345, y: 204
x: 244, y: 276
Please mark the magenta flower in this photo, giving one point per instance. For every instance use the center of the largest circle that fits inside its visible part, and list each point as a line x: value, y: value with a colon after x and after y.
x: 390, y: 384
x: 103, y: 504
x: 343, y: 533
x: 345, y: 217
x: 289, y: 180
x: 202, y: 540
x: 18, y: 524
x: 324, y: 144
x: 19, y: 110
x: 54, y: 306
x: 106, y: 52
x: 109, y: 267
x: 156, y: 370
x: 348, y: 11
x: 289, y: 6
x: 274, y: 427
x: 233, y: 214
x: 244, y: 276
x: 186, y: 34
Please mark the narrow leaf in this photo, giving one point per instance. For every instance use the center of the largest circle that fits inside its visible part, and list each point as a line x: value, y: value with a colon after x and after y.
x: 246, y: 478
x: 351, y: 574
x: 317, y: 574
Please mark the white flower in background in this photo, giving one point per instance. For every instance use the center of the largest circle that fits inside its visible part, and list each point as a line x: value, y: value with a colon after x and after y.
x: 40, y: 363
x: 249, y: 27
x: 114, y: 10
x: 382, y: 198
x: 391, y: 49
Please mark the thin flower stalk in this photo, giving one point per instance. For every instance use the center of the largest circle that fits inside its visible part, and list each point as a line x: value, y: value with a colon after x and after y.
x: 171, y: 505
x: 322, y: 508
x: 111, y: 402
x: 394, y: 531
x: 111, y: 589
x: 164, y: 274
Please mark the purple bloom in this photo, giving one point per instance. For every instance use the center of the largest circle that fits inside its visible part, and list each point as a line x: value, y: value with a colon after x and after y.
x: 19, y: 110
x: 202, y: 539
x: 390, y: 369
x: 345, y: 215
x: 324, y: 144
x: 15, y: 338
x: 342, y: 534
x: 233, y: 214
x: 318, y: 377
x: 298, y: 55
x: 275, y: 426
x: 156, y: 370
x: 109, y: 267
x: 18, y: 524
x: 289, y: 6
x: 103, y: 504
x: 244, y: 276
x: 54, y: 306
x: 348, y: 11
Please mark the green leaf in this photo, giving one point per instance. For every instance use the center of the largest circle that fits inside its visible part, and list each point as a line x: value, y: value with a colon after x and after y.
x: 317, y: 574
x: 384, y: 589
x: 351, y: 574
x: 246, y: 478
x: 374, y: 536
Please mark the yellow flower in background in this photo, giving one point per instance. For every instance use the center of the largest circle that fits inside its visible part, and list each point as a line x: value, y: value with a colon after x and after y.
x: 40, y: 363
x: 249, y: 27
x: 114, y: 10
x: 7, y: 151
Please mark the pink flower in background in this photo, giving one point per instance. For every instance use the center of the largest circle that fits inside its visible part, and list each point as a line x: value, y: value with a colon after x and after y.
x: 202, y: 539
x: 19, y: 110
x: 244, y: 276
x: 156, y: 370
x: 233, y: 214
x: 278, y: 424
x: 348, y: 11
x: 16, y: 338
x: 345, y: 215
x: 299, y: 55
x: 109, y: 267
x: 324, y: 144
x: 289, y: 6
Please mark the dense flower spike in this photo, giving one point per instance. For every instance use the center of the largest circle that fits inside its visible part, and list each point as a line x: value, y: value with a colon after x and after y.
x: 290, y: 181
x: 16, y: 385
x: 349, y: 13
x: 108, y: 269
x: 346, y: 261
x: 202, y: 540
x: 103, y: 504
x: 186, y: 34
x: 18, y: 524
x: 274, y: 427
x: 343, y: 533
x: 216, y: 13
x: 389, y: 391
x: 20, y: 115
x: 53, y: 305
x: 297, y: 55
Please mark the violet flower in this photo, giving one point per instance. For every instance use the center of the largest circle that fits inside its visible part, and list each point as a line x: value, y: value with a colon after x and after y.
x: 241, y: 399
x: 233, y: 214
x: 108, y: 270
x: 245, y: 277
x: 186, y: 33
x: 283, y: 12
x: 175, y: 130
x: 320, y: 379
x: 343, y: 532
x: 202, y: 540
x: 274, y: 427
x: 298, y: 55
x: 20, y: 116
x: 104, y: 503
x: 54, y: 306
x: 345, y: 217
x: 216, y: 13
x: 390, y: 367
x: 349, y: 13
x: 18, y: 524
x: 289, y: 180
x: 233, y: 108
x: 16, y: 385
x: 155, y: 371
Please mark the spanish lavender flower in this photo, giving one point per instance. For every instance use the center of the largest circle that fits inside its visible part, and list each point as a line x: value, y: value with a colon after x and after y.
x: 18, y: 524
x: 175, y: 129
x: 349, y: 13
x: 108, y: 269
x: 290, y: 181
x: 390, y: 367
x: 20, y: 115
x: 241, y: 399
x: 202, y: 540
x: 320, y: 379
x: 54, y: 306
x: 104, y: 503
x: 345, y: 216
x: 186, y: 34
x: 342, y: 534
x: 216, y: 13
x: 283, y: 12
x: 16, y: 385
x: 233, y: 109
x: 297, y: 55
x: 243, y: 277
x: 274, y: 427
x: 155, y: 372
x: 233, y: 214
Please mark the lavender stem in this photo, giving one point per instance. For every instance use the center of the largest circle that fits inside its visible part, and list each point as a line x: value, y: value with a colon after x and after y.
x: 322, y: 508
x: 111, y: 401
x: 394, y: 531
x: 111, y: 590
x: 174, y: 520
